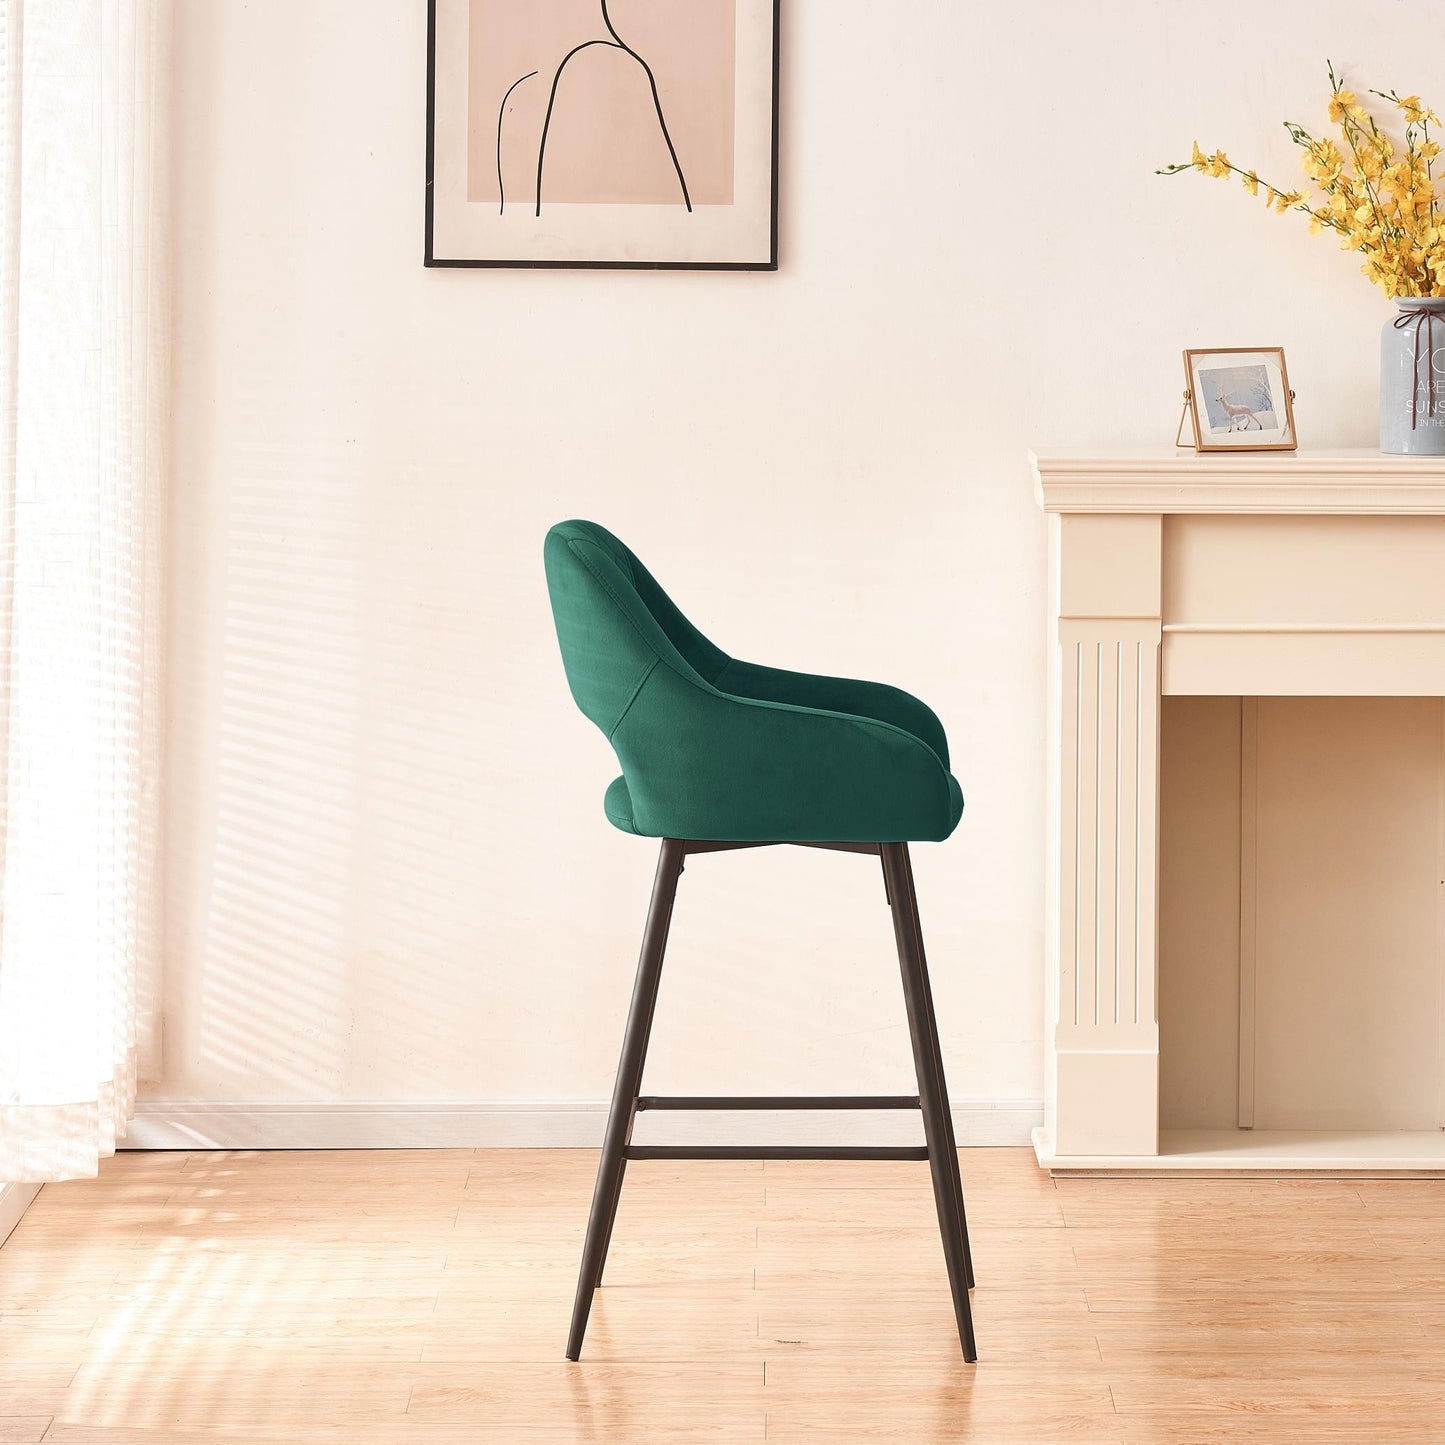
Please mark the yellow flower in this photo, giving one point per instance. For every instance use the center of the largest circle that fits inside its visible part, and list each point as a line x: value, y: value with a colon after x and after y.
x: 1218, y: 164
x: 1283, y: 200
x: 1415, y: 112
x: 1199, y: 160
x: 1345, y: 103
x: 1400, y: 178
x: 1323, y: 162
x: 1251, y: 183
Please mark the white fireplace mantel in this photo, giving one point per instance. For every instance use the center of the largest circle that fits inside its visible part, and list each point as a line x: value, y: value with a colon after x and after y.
x: 1310, y: 574
x: 1164, y: 480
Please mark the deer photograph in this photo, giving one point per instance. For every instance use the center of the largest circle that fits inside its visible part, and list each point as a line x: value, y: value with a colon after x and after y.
x: 1238, y: 398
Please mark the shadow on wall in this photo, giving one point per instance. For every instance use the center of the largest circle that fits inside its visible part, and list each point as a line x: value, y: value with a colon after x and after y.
x: 285, y: 808
x: 340, y: 858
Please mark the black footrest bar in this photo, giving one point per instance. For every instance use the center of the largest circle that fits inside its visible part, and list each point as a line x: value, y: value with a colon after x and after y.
x: 771, y: 1151
x: 701, y: 845
x: 753, y: 1101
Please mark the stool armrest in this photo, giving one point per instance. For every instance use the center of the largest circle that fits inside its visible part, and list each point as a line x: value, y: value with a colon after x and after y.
x: 701, y: 763
x: 836, y: 694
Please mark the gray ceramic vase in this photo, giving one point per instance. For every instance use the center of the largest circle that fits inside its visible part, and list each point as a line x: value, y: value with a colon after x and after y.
x: 1412, y: 379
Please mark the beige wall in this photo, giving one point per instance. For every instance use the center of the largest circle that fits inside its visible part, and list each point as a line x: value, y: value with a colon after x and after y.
x: 389, y: 874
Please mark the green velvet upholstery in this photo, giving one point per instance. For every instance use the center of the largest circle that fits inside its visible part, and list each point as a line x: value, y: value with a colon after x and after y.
x: 713, y: 748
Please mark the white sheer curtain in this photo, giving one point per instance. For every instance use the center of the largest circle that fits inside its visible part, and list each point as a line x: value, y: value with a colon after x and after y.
x: 82, y: 433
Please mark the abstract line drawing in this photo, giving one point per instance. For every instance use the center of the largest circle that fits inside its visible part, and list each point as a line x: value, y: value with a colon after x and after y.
x: 637, y: 134
x: 656, y: 103
x: 616, y: 43
x: 501, y: 115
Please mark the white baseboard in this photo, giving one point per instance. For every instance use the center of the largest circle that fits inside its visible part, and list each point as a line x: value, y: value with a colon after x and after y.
x: 15, y: 1199
x: 191, y: 1124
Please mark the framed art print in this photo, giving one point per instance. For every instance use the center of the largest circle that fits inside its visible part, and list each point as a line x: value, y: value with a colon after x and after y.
x: 1239, y: 399
x: 612, y: 133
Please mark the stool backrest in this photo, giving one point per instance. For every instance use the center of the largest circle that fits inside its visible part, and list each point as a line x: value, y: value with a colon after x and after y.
x: 615, y: 624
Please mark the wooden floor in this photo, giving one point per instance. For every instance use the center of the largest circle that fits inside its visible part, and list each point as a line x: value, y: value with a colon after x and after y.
x: 279, y: 1299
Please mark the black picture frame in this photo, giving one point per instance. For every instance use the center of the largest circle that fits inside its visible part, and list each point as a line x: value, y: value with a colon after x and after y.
x: 432, y: 261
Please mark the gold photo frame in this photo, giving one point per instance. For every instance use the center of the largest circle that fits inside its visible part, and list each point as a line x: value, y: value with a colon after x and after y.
x: 1239, y: 399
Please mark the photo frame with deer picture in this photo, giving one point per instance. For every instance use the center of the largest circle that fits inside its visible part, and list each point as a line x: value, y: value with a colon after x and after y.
x: 1238, y: 398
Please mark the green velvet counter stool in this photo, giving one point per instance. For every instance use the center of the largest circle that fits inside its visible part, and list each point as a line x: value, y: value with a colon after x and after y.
x: 720, y: 754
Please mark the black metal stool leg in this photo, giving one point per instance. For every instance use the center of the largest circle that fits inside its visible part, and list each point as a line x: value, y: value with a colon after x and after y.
x: 611, y: 1221
x: 931, y: 1091
x: 626, y: 1088
x: 938, y: 1060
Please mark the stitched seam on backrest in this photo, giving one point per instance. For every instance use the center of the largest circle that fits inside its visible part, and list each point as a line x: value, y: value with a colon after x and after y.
x: 641, y: 683
x: 607, y: 587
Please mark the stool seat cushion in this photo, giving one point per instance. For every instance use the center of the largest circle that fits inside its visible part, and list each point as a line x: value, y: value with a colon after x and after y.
x: 617, y: 804
x: 719, y: 749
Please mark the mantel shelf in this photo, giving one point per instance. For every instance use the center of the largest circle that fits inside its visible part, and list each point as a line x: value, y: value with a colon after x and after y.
x: 1164, y: 480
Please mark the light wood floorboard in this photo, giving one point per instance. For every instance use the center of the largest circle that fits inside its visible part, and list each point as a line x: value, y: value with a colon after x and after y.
x: 423, y: 1296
